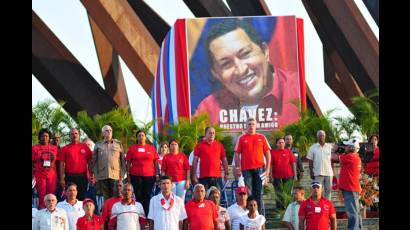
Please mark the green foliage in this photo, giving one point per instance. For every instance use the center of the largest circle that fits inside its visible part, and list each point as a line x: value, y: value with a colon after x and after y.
x: 345, y: 125
x: 304, y: 130
x: 366, y: 113
x: 120, y: 120
x: 227, y: 142
x: 48, y: 114
x: 186, y: 132
x: 285, y: 197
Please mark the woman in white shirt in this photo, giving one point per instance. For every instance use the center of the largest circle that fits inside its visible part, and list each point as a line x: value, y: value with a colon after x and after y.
x: 253, y: 220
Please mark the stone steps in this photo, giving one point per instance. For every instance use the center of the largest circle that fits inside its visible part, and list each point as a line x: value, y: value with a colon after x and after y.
x: 270, y: 204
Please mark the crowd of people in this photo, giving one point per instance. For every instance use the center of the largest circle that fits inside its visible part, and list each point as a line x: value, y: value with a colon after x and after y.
x: 126, y: 179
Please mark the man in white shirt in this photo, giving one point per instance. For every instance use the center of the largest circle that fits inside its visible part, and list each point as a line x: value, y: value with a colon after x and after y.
x: 237, y: 210
x: 127, y: 213
x: 72, y: 206
x: 51, y: 217
x: 291, y: 217
x: 167, y: 211
x: 320, y: 165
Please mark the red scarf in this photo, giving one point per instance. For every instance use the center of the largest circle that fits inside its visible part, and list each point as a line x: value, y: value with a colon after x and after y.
x: 164, y: 203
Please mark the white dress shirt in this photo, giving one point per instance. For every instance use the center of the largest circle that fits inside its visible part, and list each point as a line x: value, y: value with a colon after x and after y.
x: 74, y: 212
x: 166, y: 219
x: 46, y: 220
x: 321, y: 156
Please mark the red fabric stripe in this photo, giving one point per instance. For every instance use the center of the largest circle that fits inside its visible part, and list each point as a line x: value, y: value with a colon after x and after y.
x: 301, y: 61
x: 157, y: 100
x: 283, y: 44
x: 181, y: 69
x: 164, y: 68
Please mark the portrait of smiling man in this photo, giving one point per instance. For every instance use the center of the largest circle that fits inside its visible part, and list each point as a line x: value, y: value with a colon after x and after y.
x: 240, y: 60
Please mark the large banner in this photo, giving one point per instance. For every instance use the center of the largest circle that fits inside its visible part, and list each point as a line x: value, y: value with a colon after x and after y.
x: 244, y: 67
x: 231, y: 69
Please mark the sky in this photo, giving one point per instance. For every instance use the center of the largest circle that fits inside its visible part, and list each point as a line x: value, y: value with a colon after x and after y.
x: 68, y: 20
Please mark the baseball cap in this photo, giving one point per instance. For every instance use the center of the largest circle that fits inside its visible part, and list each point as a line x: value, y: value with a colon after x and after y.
x: 352, y: 142
x: 87, y: 200
x: 315, y: 183
x: 242, y: 190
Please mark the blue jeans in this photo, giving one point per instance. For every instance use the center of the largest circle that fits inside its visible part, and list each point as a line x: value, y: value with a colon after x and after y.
x: 351, y: 200
x: 254, y: 183
x: 178, y: 188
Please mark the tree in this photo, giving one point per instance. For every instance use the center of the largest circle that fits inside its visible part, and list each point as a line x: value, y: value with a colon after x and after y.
x: 120, y: 120
x: 186, y: 132
x: 304, y: 130
x: 51, y: 115
x: 366, y: 113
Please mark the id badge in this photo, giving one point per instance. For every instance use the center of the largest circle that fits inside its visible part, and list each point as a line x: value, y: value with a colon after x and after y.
x: 46, y: 163
x: 141, y: 150
x: 317, y: 209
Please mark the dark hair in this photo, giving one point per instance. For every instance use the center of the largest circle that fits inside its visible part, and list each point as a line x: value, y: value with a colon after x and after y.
x: 207, y: 128
x: 279, y: 138
x: 70, y: 184
x: 43, y: 130
x: 138, y: 132
x: 251, y: 198
x: 165, y: 178
x: 299, y: 188
x: 371, y: 136
x: 226, y: 26
x: 172, y: 140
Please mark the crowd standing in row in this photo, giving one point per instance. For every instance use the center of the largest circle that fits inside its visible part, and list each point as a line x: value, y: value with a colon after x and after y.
x: 75, y: 167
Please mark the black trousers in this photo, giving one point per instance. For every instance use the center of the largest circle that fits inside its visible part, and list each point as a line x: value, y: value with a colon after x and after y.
x: 81, y: 181
x: 142, y: 189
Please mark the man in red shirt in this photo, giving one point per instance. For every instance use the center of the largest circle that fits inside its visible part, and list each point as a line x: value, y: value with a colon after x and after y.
x: 74, y: 160
x: 317, y: 211
x: 212, y: 153
x: 106, y: 211
x: 349, y: 182
x: 283, y: 167
x: 202, y: 214
x: 252, y: 147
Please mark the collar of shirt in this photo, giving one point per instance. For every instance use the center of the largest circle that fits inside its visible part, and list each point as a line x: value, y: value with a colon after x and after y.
x: 123, y: 202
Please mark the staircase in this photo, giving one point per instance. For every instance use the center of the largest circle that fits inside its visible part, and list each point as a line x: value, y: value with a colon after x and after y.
x: 269, y: 201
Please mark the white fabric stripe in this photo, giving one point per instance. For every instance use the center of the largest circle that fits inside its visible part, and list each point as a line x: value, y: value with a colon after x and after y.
x: 172, y: 76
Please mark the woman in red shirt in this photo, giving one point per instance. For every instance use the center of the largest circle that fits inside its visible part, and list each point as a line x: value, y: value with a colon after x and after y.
x: 89, y: 221
x: 43, y: 158
x: 176, y: 165
x: 283, y: 165
x: 142, y: 168
x: 372, y: 167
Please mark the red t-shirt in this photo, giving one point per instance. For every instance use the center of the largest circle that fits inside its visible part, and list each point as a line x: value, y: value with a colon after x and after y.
x: 281, y: 161
x: 317, y: 216
x: 44, y: 158
x: 75, y: 157
x: 252, y: 148
x: 211, y: 154
x: 84, y: 224
x: 106, y: 211
x: 372, y: 167
x: 201, y: 215
x: 142, y: 159
x: 349, y: 177
x: 175, y: 166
